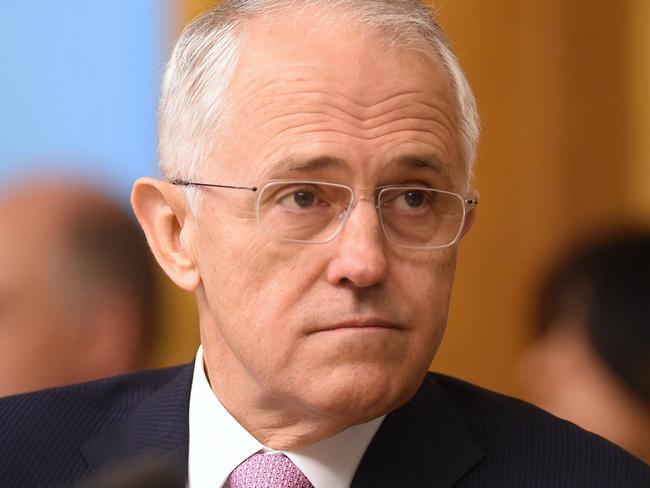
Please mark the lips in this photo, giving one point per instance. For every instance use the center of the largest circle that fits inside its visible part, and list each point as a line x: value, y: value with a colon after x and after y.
x: 360, y: 324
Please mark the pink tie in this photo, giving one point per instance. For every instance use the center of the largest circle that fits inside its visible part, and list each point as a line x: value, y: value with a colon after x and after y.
x: 268, y: 471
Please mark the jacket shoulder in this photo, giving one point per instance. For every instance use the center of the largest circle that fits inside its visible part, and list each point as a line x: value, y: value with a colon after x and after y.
x: 531, y: 447
x: 42, y: 431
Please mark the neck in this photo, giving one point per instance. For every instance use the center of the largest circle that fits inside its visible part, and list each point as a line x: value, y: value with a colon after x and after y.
x: 277, y: 423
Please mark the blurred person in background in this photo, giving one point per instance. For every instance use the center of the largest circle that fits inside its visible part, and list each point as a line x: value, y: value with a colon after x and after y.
x: 590, y: 359
x: 76, y: 287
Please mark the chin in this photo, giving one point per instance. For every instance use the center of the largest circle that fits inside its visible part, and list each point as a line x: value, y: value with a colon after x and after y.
x: 360, y: 393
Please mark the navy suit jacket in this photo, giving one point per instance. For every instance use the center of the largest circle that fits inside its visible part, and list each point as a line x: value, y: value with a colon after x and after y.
x: 450, y: 434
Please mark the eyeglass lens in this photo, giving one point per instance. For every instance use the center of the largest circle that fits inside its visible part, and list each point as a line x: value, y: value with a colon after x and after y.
x: 315, y: 212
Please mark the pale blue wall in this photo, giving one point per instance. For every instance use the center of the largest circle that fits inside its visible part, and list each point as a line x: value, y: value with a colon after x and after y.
x: 79, y: 84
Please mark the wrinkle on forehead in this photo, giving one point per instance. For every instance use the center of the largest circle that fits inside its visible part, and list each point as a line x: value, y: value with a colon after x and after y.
x: 268, y: 101
x: 354, y: 109
x: 322, y: 112
x: 396, y: 127
x: 336, y: 89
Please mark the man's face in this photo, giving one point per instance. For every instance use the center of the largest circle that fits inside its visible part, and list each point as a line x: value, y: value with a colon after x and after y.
x: 345, y: 329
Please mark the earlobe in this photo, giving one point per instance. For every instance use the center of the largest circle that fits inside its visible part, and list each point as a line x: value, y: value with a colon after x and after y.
x: 161, y: 210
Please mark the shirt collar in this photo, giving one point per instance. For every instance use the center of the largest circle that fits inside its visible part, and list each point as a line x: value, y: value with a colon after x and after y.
x: 218, y: 443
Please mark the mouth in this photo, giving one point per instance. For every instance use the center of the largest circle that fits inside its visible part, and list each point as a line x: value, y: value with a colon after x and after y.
x: 366, y: 324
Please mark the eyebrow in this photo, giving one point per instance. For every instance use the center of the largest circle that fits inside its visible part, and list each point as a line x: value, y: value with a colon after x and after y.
x: 429, y: 161
x: 409, y: 161
x: 293, y: 165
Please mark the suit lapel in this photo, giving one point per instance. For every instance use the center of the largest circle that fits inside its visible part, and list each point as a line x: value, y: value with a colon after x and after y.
x: 157, y: 428
x: 424, y: 443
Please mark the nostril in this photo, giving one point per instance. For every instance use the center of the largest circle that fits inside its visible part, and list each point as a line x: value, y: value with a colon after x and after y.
x: 345, y: 281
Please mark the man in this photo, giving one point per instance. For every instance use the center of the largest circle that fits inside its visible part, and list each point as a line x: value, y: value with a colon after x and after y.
x: 592, y: 341
x: 317, y: 157
x: 76, y: 287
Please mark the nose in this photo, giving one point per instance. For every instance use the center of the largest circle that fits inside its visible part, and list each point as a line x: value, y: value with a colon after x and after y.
x: 360, y: 257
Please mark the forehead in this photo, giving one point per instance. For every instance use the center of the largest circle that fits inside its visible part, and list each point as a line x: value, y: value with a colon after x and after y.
x: 309, y: 89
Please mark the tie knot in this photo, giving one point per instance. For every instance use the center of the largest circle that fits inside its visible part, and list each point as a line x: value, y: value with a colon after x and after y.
x: 268, y: 471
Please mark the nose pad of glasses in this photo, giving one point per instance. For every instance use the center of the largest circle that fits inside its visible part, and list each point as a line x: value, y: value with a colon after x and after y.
x: 345, y: 213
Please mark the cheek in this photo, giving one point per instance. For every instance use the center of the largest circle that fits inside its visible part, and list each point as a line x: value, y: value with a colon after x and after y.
x: 265, y: 275
x: 426, y: 283
x: 425, y: 291
x: 256, y: 285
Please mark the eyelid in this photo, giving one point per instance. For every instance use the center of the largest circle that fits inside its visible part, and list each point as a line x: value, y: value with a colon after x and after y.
x: 288, y: 188
x: 424, y: 186
x: 286, y: 191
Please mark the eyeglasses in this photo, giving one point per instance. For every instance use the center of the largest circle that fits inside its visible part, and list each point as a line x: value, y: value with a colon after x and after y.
x: 315, y: 212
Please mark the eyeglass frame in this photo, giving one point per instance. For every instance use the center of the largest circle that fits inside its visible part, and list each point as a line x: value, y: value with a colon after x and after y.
x: 468, y: 205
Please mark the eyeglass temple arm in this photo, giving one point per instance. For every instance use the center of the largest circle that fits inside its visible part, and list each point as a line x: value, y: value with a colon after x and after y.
x: 178, y: 182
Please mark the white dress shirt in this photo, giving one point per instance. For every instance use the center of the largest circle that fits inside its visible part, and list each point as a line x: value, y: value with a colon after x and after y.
x: 218, y: 444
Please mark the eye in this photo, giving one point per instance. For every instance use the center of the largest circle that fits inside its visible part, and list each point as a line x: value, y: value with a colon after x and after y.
x: 300, y: 199
x: 411, y: 199
x: 414, y: 198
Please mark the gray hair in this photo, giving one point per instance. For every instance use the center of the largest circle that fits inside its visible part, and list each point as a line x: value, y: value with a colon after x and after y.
x: 204, y: 59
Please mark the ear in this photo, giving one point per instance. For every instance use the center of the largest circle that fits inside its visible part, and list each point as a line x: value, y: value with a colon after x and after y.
x: 163, y: 214
x: 470, y: 217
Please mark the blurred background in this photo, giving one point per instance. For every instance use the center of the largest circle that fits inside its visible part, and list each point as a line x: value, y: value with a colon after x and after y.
x: 563, y: 91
